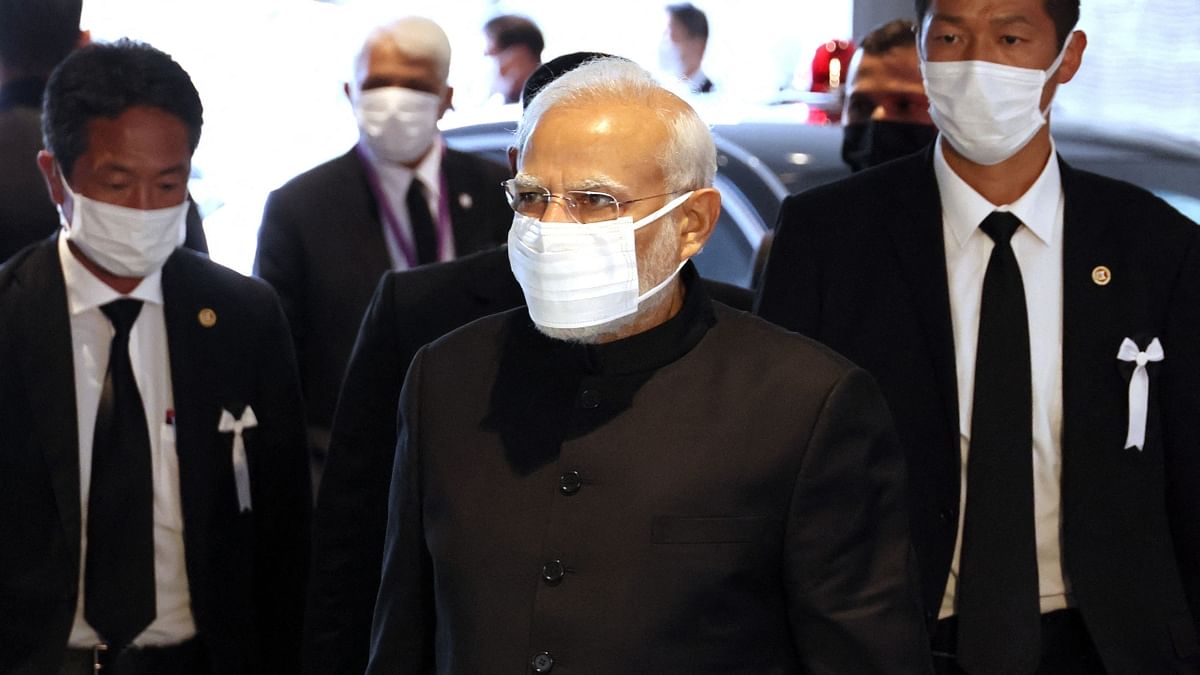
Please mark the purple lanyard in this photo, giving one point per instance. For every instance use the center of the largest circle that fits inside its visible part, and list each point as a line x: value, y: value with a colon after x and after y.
x: 404, y: 239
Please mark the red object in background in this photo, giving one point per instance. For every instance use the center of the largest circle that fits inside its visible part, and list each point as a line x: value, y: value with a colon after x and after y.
x: 829, y: 65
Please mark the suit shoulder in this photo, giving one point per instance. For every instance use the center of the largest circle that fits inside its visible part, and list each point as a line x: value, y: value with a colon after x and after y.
x: 1116, y: 196
x: 320, y: 177
x: 35, y: 258
x: 482, y: 168
x: 197, y: 269
x: 421, y: 285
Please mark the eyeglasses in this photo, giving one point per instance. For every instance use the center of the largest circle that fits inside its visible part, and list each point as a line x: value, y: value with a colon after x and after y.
x: 584, y: 206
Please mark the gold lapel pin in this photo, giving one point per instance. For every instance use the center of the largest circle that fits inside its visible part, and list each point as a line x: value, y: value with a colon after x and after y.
x: 207, y: 318
x: 1101, y: 275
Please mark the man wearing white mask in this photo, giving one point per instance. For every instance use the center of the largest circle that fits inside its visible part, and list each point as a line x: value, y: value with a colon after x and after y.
x: 397, y: 200
x: 1034, y: 329
x: 625, y: 476
x: 154, y: 493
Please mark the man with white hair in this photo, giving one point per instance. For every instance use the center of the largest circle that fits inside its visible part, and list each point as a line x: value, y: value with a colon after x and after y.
x: 624, y: 476
x: 397, y: 200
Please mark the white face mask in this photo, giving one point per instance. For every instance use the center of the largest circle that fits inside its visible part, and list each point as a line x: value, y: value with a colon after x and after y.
x: 397, y: 124
x: 987, y: 111
x: 580, y: 275
x: 127, y: 242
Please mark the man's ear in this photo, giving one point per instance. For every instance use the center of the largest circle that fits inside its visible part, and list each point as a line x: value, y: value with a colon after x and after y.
x: 1073, y: 59
x: 447, y: 101
x: 699, y: 216
x: 346, y: 90
x: 85, y: 39
x: 50, y: 172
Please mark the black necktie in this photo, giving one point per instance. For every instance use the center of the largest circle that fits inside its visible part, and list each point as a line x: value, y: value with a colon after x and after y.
x: 999, y: 625
x: 424, y: 234
x: 119, y: 569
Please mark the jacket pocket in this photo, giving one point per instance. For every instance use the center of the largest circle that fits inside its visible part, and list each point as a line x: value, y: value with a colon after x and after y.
x: 710, y: 530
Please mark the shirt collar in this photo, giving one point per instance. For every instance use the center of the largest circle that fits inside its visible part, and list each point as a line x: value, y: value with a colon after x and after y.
x: 86, y: 291
x: 963, y: 209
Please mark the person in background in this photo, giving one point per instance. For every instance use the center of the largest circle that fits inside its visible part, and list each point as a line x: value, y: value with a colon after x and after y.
x: 398, y: 199
x: 886, y: 114
x: 1033, y: 328
x: 681, y: 50
x: 539, y: 518
x: 154, y: 492
x: 410, y: 309
x: 34, y: 38
x: 515, y: 45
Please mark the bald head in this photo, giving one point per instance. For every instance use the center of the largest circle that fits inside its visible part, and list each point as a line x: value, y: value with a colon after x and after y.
x: 686, y: 153
x: 412, y: 39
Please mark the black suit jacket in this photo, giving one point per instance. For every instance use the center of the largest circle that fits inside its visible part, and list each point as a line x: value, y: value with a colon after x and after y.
x: 27, y: 215
x: 410, y: 309
x: 321, y: 245
x: 739, y: 506
x: 246, y: 571
x: 860, y: 265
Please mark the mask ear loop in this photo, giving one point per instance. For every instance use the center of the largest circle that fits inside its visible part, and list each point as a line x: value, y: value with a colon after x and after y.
x: 666, y: 208
x: 1049, y: 73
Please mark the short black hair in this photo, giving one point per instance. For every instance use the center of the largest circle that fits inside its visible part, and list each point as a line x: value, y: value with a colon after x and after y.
x: 691, y: 18
x: 552, y: 70
x: 891, y: 35
x: 105, y: 80
x: 1064, y: 13
x: 508, y: 30
x: 36, y: 34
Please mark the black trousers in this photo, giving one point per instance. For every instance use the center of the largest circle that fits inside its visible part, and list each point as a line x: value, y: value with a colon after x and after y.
x: 1067, y: 649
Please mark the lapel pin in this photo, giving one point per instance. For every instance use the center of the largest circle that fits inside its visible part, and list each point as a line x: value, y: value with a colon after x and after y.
x: 1101, y: 275
x: 207, y: 318
x: 465, y: 200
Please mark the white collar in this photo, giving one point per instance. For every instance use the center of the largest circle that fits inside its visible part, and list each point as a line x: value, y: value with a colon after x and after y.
x: 86, y: 291
x: 963, y: 209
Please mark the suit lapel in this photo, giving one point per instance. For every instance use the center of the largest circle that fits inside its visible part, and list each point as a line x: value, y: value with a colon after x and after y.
x: 361, y: 213
x: 51, y: 383
x: 1091, y: 334
x: 917, y: 239
x: 195, y: 421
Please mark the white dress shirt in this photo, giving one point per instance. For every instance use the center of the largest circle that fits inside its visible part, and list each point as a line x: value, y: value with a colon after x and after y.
x: 1038, y: 247
x: 394, y: 181
x: 91, y: 338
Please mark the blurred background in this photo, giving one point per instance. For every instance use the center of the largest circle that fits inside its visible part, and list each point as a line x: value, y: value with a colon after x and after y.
x: 270, y: 73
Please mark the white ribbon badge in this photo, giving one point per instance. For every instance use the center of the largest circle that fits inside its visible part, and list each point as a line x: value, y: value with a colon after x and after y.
x: 1139, y: 388
x: 241, y: 470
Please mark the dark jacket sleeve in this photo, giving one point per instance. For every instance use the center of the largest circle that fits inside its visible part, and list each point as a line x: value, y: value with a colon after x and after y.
x: 789, y: 291
x: 403, y: 627
x: 851, y: 583
x: 351, y: 514
x: 282, y: 498
x: 279, y: 260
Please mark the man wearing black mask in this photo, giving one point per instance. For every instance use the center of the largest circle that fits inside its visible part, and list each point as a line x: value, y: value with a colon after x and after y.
x: 886, y: 114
